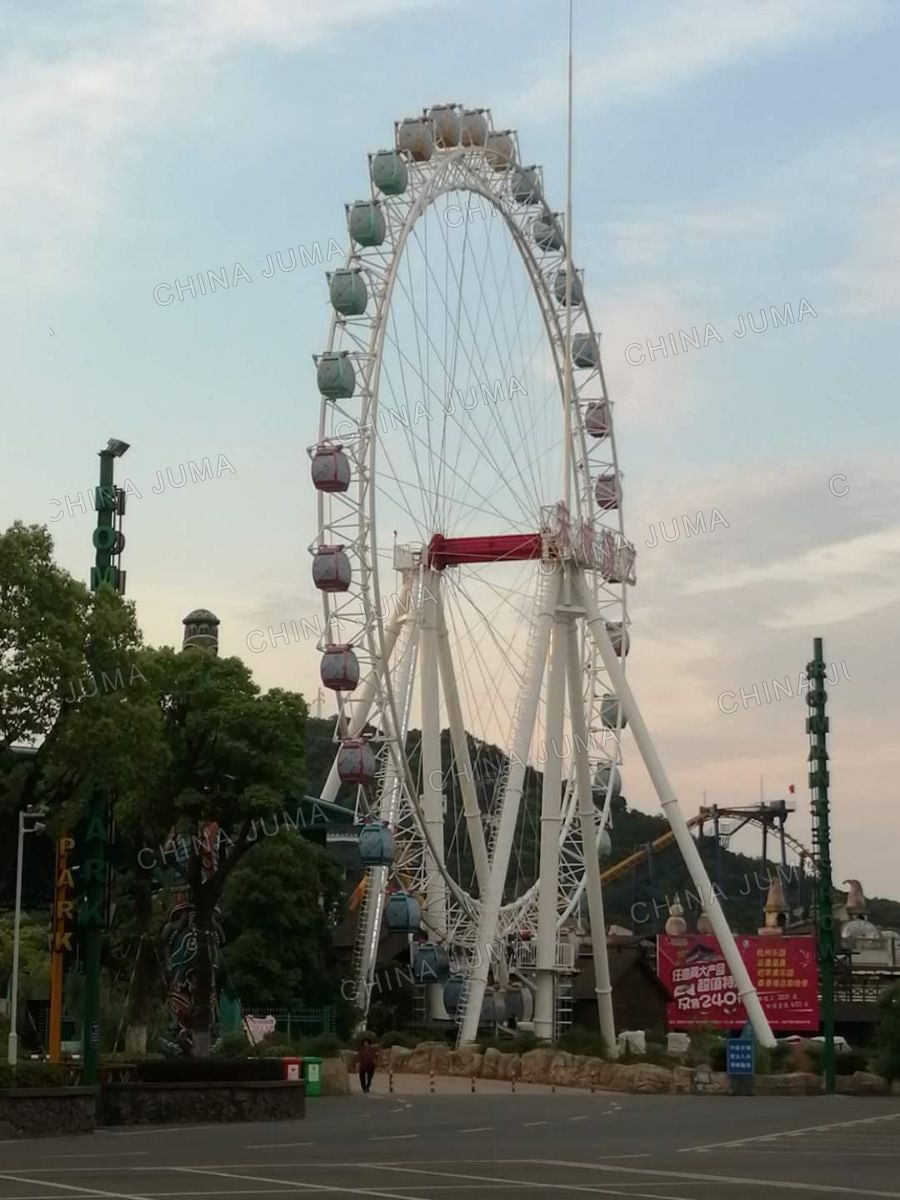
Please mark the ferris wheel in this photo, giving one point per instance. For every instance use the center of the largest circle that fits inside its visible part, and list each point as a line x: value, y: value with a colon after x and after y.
x: 474, y: 568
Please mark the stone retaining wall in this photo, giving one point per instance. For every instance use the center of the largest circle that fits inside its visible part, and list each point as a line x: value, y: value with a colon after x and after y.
x: 575, y: 1070
x: 46, y: 1112
x: 200, y: 1103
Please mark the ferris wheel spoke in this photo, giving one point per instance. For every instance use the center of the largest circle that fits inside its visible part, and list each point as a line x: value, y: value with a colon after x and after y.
x: 507, y: 356
x: 478, y: 446
x: 482, y: 375
x: 483, y: 305
x: 485, y: 373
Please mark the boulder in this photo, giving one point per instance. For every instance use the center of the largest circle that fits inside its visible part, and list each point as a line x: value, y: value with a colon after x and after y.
x: 647, y: 1078
x: 428, y: 1056
x: 536, y: 1066
x: 589, y: 1072
x: 794, y: 1083
x: 491, y: 1063
x: 864, y: 1083
x: 335, y: 1079
x: 682, y: 1081
x: 711, y: 1083
x: 563, y: 1069
x: 510, y: 1066
x: 348, y: 1058
x: 398, y: 1058
x: 440, y: 1058
x: 467, y: 1061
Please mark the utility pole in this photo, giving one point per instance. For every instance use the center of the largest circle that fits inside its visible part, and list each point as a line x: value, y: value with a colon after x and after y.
x: 109, y: 542
x: 817, y: 727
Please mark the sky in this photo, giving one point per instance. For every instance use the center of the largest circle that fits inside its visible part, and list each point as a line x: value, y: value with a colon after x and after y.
x: 729, y: 159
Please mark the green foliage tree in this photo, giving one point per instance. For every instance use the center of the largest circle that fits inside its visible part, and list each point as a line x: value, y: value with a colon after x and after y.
x: 279, y: 908
x: 886, y: 1059
x: 232, y: 755
x: 34, y: 965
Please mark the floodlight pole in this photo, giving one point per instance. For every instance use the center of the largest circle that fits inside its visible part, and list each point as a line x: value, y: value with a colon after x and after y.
x: 817, y: 727
x: 109, y: 502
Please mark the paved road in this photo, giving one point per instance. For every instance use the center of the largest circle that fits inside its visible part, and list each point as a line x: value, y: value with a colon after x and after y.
x: 488, y: 1147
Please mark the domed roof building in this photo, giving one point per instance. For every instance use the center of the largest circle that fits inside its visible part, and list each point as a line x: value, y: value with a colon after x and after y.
x: 201, y: 631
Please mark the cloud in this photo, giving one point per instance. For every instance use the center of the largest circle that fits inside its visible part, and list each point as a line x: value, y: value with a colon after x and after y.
x: 869, y: 276
x: 660, y: 49
x: 71, y: 115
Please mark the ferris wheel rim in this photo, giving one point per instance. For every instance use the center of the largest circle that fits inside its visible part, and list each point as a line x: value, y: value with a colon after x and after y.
x: 368, y: 524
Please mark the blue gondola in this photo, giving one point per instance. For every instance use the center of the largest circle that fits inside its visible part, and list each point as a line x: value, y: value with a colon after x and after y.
x: 431, y: 963
x: 453, y: 989
x: 403, y: 914
x: 376, y: 846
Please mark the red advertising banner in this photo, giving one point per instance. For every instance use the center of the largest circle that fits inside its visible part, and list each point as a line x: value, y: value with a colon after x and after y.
x: 783, y: 970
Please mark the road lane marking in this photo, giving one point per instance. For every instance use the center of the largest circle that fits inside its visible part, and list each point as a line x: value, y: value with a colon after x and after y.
x: 394, y: 1137
x: 275, y: 1145
x: 769, y: 1137
x: 478, y: 1129
x: 495, y: 1180
x: 675, y: 1176
x: 305, y: 1187
x: 70, y: 1187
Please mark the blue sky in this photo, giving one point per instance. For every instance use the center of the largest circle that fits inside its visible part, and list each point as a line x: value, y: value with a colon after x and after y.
x: 729, y: 157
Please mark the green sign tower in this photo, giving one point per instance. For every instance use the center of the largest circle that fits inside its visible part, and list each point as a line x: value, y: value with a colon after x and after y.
x: 817, y: 727
x: 109, y: 542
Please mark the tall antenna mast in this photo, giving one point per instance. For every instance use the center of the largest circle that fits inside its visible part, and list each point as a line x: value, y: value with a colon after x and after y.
x: 567, y: 386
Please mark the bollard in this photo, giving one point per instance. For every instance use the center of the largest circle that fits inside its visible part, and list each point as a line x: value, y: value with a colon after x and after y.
x: 592, y: 1087
x: 552, y: 1089
x: 472, y: 1085
x: 431, y: 1080
x: 512, y: 1080
x: 391, y: 1079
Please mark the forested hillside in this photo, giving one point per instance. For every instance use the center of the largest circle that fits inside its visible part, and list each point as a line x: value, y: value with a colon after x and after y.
x: 639, y: 900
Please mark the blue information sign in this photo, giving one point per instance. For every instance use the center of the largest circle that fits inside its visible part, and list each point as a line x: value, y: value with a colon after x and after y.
x: 739, y: 1056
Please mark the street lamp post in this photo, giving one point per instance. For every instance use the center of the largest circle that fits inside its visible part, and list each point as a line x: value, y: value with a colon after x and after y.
x: 12, y: 1050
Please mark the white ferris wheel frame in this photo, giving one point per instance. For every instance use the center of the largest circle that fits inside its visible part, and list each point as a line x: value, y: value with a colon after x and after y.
x: 462, y: 169
x: 386, y: 691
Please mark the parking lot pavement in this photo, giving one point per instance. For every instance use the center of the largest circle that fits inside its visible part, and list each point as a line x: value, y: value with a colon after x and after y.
x: 465, y: 1147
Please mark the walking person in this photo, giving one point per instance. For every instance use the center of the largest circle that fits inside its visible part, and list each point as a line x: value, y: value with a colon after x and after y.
x: 366, y: 1065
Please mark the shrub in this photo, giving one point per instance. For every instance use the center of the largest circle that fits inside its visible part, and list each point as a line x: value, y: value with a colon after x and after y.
x: 324, y: 1045
x: 28, y: 1074
x: 583, y: 1041
x: 520, y: 1044
x: 851, y: 1061
x: 234, y: 1044
x: 396, y: 1037
x: 886, y: 1059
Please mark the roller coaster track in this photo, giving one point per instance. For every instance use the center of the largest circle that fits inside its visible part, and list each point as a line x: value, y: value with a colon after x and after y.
x: 634, y: 860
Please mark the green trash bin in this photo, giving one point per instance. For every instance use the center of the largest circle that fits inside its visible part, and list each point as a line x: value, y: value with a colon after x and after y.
x: 312, y: 1075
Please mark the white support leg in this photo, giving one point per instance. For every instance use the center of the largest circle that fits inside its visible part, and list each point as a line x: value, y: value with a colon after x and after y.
x: 588, y: 816
x: 432, y: 777
x: 551, y: 819
x: 388, y: 809
x: 548, y: 597
x: 675, y: 817
x: 471, y: 810
x: 370, y: 687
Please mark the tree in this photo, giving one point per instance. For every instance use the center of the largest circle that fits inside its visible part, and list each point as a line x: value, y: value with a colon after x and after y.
x: 887, y: 1041
x: 279, y: 909
x: 232, y: 757
x: 34, y: 974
